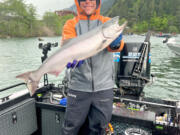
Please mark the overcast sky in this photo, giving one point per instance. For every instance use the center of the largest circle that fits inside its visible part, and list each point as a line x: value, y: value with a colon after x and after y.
x: 49, y: 5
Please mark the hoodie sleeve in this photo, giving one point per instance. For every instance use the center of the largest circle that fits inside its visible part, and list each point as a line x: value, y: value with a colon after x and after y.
x: 69, y: 30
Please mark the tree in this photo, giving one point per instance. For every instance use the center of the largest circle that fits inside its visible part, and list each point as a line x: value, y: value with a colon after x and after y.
x: 52, y: 21
x: 159, y: 23
x: 140, y: 27
x: 17, y: 18
x: 173, y: 29
x: 159, y: 14
x: 177, y: 23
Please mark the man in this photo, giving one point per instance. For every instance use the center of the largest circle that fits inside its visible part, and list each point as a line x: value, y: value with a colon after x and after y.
x: 90, y: 93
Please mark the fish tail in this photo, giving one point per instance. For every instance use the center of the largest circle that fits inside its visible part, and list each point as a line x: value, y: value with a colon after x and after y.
x: 31, y: 81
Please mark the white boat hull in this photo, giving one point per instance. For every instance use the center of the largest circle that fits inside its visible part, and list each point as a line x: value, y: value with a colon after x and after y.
x: 175, y: 48
x: 174, y: 45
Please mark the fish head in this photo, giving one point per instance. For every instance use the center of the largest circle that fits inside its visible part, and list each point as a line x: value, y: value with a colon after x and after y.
x: 112, y: 29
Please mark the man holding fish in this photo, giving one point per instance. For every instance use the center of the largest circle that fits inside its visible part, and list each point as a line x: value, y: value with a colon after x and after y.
x: 90, y: 93
x: 88, y: 41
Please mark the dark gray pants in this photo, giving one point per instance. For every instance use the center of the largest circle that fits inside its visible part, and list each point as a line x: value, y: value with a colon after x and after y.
x: 96, y: 106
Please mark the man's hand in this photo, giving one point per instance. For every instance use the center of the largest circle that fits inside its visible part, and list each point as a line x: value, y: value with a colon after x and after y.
x: 74, y: 64
x: 116, y: 43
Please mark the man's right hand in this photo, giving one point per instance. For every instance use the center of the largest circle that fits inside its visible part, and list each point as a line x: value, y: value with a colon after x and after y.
x: 74, y: 64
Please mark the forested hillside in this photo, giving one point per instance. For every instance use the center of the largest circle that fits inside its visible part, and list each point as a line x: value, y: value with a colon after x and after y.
x: 106, y: 5
x: 18, y: 19
x: 157, y: 15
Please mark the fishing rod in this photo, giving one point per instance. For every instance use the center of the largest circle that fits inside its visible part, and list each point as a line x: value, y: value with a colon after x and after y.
x: 10, y: 87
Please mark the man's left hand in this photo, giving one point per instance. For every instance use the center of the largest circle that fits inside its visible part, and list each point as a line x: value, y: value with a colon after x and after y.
x: 116, y: 43
x: 74, y: 64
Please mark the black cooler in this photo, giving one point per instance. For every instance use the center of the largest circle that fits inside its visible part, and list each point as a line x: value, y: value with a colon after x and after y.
x: 18, y: 116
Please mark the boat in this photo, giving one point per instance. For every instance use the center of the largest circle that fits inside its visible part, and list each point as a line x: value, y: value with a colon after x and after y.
x: 174, y: 44
x: 133, y: 113
x: 163, y: 35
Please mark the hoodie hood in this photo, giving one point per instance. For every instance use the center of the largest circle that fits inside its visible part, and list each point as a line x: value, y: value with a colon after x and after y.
x: 82, y: 16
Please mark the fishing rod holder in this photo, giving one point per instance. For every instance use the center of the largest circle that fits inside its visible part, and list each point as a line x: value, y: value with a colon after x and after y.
x: 45, y: 49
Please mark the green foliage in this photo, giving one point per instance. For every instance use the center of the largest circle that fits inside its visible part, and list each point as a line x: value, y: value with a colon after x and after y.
x: 159, y: 23
x: 173, y: 29
x: 54, y: 22
x: 156, y: 15
x: 140, y: 27
x: 18, y: 19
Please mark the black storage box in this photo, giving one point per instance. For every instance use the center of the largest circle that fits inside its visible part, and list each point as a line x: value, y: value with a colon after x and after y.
x: 51, y: 118
x: 18, y: 119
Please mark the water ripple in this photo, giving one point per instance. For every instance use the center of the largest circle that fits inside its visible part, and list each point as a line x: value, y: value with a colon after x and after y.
x: 21, y: 55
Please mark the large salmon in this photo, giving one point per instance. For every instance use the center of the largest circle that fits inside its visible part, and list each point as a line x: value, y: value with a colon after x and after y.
x: 79, y: 48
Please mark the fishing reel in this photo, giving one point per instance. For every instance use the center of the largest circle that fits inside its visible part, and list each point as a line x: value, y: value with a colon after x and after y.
x: 46, y: 47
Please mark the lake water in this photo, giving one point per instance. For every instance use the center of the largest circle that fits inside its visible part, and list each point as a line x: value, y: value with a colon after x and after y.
x: 21, y: 55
